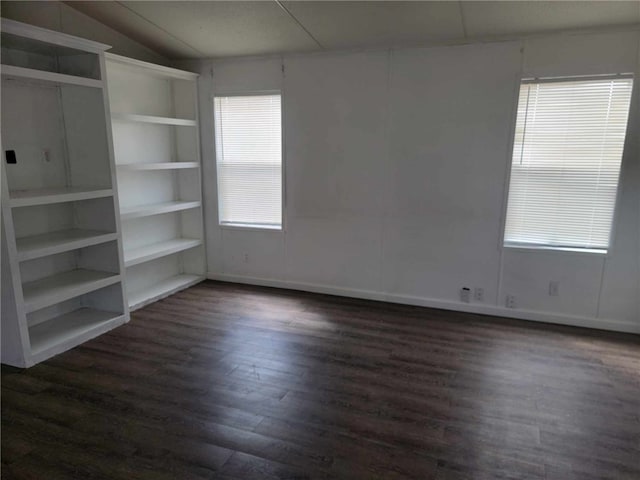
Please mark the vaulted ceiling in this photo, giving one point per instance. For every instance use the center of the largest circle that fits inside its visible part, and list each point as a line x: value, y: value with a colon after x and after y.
x: 187, y: 29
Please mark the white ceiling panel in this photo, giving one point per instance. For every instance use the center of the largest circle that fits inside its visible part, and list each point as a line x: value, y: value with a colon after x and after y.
x: 122, y: 19
x: 191, y: 29
x: 511, y: 18
x: 227, y: 28
x: 357, y: 24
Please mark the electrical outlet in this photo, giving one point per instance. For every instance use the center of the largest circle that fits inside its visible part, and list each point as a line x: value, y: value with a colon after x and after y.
x: 511, y: 301
x: 465, y: 294
x: 246, y: 258
x: 554, y: 288
x: 10, y: 155
x: 478, y: 294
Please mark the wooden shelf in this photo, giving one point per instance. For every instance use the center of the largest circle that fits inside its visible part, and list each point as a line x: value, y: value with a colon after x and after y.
x: 128, y: 213
x: 50, y: 38
x: 162, y: 289
x: 151, y: 68
x: 63, y: 286
x: 37, y: 246
x: 70, y: 329
x: 158, y: 166
x: 146, y: 146
x: 59, y: 202
x: 42, y: 75
x: 43, y: 196
x: 132, y: 117
x: 157, y: 250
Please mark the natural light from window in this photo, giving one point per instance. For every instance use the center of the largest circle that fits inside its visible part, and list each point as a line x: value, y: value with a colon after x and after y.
x: 567, y: 154
x: 248, y: 136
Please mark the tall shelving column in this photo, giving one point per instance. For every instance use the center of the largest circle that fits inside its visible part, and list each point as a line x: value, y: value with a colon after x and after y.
x: 157, y: 151
x: 62, y: 258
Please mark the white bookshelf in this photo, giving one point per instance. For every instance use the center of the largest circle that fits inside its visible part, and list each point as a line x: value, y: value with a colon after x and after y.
x: 62, y: 257
x: 155, y: 132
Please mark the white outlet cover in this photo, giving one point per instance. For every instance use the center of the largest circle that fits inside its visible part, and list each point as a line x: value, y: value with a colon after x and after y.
x: 465, y: 295
x: 478, y: 294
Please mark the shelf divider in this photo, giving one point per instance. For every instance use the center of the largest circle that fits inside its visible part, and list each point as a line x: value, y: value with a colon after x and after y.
x: 53, y: 77
x: 132, y: 117
x: 158, y: 166
x: 128, y: 213
x: 162, y: 289
x: 45, y: 196
x: 37, y: 246
x: 70, y: 329
x: 158, y: 250
x: 64, y: 286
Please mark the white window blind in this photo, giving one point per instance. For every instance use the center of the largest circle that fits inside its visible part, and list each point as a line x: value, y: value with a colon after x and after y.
x: 249, y: 159
x: 566, y: 161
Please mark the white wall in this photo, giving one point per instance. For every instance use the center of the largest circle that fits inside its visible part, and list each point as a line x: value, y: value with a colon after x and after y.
x: 57, y: 16
x: 395, y: 174
x: 590, y: 285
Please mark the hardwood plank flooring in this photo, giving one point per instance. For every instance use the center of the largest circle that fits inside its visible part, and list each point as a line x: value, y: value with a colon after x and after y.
x: 225, y: 381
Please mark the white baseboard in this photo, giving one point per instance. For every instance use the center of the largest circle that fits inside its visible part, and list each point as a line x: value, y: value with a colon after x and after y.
x: 536, y: 316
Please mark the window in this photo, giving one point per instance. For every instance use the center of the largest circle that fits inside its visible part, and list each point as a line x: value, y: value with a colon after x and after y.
x: 249, y: 159
x: 566, y: 160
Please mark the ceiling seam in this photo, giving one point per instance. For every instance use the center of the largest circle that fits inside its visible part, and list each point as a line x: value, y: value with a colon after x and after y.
x: 162, y: 29
x: 464, y: 24
x: 299, y: 23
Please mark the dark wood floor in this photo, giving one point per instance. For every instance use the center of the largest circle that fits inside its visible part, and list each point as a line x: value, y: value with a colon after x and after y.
x: 232, y: 382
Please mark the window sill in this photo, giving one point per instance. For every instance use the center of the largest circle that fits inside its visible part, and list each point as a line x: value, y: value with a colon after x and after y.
x: 543, y: 248
x: 251, y: 227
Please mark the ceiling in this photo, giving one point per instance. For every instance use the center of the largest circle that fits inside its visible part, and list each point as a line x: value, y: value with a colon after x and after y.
x: 187, y: 29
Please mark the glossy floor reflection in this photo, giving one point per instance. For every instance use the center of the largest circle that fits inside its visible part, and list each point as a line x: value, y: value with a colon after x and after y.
x: 234, y: 382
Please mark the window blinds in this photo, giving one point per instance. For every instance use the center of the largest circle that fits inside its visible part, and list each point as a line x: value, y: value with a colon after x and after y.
x: 249, y: 160
x: 566, y: 161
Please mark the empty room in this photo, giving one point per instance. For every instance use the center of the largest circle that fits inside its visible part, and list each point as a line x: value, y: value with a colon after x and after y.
x: 289, y: 240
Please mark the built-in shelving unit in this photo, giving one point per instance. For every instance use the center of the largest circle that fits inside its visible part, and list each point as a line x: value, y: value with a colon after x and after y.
x: 62, y: 258
x: 154, y: 120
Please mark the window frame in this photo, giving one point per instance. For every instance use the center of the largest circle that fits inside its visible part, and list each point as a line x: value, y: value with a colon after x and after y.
x: 248, y: 227
x: 554, y: 249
